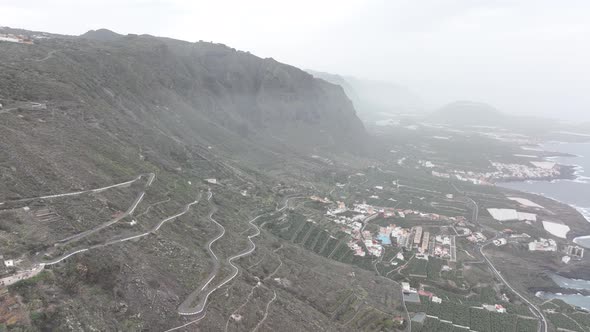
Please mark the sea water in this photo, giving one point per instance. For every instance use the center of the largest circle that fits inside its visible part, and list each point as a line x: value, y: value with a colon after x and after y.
x: 573, y: 192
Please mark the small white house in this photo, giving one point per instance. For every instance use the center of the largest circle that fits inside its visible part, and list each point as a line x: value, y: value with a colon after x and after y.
x: 406, y: 286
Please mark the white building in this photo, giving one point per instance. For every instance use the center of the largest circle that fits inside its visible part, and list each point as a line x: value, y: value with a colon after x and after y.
x: 556, y: 229
x: 511, y: 214
x: 543, y: 245
x: 406, y: 286
x: 500, y: 242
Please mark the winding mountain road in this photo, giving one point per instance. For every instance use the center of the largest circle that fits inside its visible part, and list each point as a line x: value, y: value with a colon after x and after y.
x: 151, y: 176
x: 129, y: 238
x: 130, y: 211
x: 185, y: 309
x: 185, y: 305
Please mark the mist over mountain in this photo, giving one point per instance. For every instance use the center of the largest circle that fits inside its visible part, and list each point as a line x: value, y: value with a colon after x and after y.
x: 202, y: 91
x: 101, y: 35
x: 181, y: 171
x: 173, y: 185
x: 471, y: 113
x: 376, y: 100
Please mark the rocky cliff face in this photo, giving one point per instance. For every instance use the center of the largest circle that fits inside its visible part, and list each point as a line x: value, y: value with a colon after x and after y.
x: 180, y: 86
x: 81, y: 114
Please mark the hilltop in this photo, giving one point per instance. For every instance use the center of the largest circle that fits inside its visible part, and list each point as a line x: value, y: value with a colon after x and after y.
x: 469, y: 113
x: 101, y: 35
x: 375, y: 100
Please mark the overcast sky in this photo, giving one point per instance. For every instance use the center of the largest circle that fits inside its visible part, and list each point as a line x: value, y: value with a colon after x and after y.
x: 522, y: 56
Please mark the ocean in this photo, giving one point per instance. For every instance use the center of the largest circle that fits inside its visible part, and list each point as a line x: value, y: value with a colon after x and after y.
x: 573, y: 192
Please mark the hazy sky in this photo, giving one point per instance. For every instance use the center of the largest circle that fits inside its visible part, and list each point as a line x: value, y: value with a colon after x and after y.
x: 523, y: 56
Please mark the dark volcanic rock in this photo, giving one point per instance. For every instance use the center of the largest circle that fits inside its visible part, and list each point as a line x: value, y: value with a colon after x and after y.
x: 102, y: 35
x: 181, y: 87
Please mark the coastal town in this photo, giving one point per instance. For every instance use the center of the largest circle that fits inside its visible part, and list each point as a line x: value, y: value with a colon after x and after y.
x: 504, y: 172
x: 425, y: 246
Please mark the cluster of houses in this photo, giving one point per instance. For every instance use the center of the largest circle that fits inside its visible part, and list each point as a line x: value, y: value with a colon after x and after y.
x: 519, y: 171
x: 364, y: 243
x: 366, y: 210
x: 495, y: 308
x: 15, y: 38
x: 442, y: 247
x: 537, y: 170
x: 413, y: 295
x: 357, y: 248
x: 469, y: 176
x: 476, y: 237
x: 572, y: 252
x: 543, y: 245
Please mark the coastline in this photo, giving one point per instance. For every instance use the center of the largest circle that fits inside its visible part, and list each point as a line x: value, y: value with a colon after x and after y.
x: 583, y: 211
x: 568, y: 289
x: 573, y: 174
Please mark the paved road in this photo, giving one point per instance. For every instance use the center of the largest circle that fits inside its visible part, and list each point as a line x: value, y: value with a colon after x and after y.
x: 453, y: 249
x: 97, y: 190
x: 129, y: 238
x: 199, y: 309
x: 536, y: 311
x: 475, y: 210
x: 21, y: 275
x: 185, y: 305
x: 186, y: 310
x: 130, y: 211
x: 475, y: 215
x: 47, y: 57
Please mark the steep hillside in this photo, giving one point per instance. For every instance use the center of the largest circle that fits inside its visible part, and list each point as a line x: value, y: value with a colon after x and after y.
x: 376, y: 100
x: 155, y: 80
x: 106, y: 145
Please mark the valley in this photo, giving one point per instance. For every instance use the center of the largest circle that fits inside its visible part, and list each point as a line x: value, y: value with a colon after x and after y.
x: 150, y: 184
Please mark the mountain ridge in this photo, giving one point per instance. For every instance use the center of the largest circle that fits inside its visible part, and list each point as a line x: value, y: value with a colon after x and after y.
x: 232, y: 89
x: 375, y: 100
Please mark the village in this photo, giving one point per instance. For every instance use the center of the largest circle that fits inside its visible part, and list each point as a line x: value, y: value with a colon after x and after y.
x: 504, y: 172
x: 15, y: 38
x: 541, y: 244
x: 353, y: 221
x: 428, y: 248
